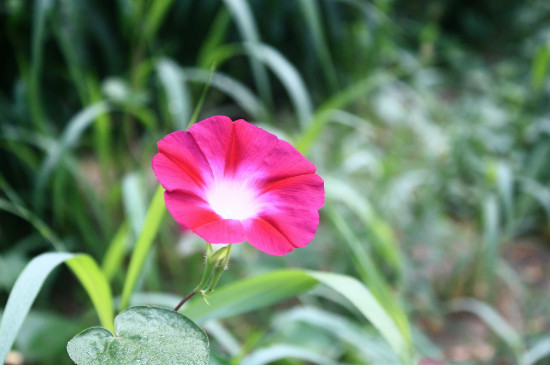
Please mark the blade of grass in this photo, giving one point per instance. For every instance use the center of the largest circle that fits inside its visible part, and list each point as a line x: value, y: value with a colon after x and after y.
x: 538, y: 352
x: 155, y: 215
x: 368, y: 271
x: 338, y: 101
x: 96, y: 285
x: 289, y: 77
x: 487, y: 314
x: 102, y: 131
x: 249, y: 294
x: 539, y: 68
x: 178, y: 99
x: 231, y: 87
x: 242, y: 14
x: 277, y: 352
x: 205, y: 89
x: 22, y: 296
x: 378, y: 230
x: 75, y: 127
x: 154, y: 18
x: 312, y: 15
x: 41, y: 10
x: 214, y: 39
x: 133, y: 198
x: 32, y: 278
x: 114, y: 257
x: 68, y: 31
x: 372, y: 350
x: 40, y: 226
x: 491, y: 236
x: 371, y: 308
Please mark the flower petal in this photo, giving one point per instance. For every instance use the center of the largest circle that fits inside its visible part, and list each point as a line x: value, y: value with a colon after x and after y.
x: 297, y: 225
x: 265, y: 237
x: 189, y: 210
x: 282, y: 162
x: 304, y: 191
x: 214, y: 136
x: 222, y: 231
x: 253, y: 144
x: 180, y: 163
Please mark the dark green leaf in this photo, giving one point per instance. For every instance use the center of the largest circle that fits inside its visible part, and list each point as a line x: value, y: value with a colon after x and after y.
x: 144, y: 335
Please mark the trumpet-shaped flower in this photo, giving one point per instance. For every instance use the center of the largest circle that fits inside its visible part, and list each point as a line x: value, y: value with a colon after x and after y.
x: 231, y: 182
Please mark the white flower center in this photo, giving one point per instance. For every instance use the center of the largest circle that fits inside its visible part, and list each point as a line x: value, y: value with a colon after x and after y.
x: 232, y: 199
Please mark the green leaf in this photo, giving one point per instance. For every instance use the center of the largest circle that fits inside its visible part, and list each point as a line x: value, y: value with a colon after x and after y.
x: 23, y: 294
x: 144, y: 335
x: 267, y: 289
x: 539, y: 351
x: 32, y: 278
x: 250, y: 294
x: 493, y: 320
x: 152, y: 223
x: 114, y: 257
x: 353, y: 290
x: 277, y: 352
x: 95, y: 282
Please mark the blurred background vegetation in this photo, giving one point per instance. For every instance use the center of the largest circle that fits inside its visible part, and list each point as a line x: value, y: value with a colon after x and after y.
x: 428, y: 120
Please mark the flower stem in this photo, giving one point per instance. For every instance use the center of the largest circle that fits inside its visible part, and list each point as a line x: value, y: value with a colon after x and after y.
x: 189, y: 296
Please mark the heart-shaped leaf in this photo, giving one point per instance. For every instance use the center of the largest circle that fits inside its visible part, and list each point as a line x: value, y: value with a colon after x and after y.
x: 144, y: 335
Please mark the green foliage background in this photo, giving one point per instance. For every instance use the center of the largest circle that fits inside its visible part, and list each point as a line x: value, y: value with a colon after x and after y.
x: 428, y: 120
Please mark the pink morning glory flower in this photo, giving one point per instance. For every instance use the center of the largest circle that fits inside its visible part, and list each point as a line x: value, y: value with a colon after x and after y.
x: 231, y: 182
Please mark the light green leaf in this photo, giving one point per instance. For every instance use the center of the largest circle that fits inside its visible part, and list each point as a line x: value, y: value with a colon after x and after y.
x: 373, y: 350
x: 32, y: 278
x: 154, y: 218
x: 368, y: 305
x: 250, y: 294
x: 273, y: 353
x: 267, y: 289
x: 144, y: 335
x: 94, y: 281
x: 539, y: 68
x: 134, y: 201
x: 178, y: 98
x: 114, y: 257
x: 539, y: 351
x: 23, y: 294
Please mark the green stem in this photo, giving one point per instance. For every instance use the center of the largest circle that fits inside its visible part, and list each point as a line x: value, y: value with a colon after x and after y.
x: 220, y: 268
x: 216, y: 263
